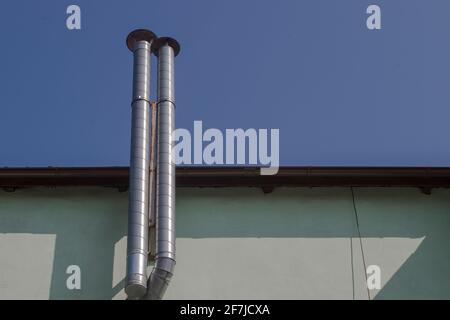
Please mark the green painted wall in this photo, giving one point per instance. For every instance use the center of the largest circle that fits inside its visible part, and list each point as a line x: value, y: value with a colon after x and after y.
x: 295, y: 243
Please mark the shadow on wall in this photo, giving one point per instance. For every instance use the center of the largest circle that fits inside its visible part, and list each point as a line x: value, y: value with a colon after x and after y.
x: 87, y: 223
x: 405, y: 232
x: 90, y: 225
x: 407, y: 213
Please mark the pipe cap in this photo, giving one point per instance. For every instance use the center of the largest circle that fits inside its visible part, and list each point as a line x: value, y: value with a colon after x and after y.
x: 139, y: 35
x: 158, y: 43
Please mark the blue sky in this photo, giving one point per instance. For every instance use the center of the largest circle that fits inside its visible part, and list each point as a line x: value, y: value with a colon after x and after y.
x: 339, y: 93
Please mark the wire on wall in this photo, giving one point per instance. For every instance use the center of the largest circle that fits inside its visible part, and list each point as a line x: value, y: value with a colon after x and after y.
x: 360, y: 244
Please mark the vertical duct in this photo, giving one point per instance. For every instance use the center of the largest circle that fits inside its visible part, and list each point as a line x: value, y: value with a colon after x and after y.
x: 139, y: 42
x: 152, y: 176
x: 152, y: 186
x: 165, y: 49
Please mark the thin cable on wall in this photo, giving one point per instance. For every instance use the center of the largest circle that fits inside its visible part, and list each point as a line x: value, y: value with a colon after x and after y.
x: 360, y: 240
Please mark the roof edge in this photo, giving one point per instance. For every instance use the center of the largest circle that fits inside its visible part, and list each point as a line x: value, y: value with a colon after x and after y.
x: 231, y: 176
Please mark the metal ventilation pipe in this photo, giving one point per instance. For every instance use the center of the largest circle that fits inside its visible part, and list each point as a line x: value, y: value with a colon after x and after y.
x: 139, y: 42
x: 166, y: 49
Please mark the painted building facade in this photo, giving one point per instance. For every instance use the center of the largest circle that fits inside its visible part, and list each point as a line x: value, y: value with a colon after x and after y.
x: 233, y: 242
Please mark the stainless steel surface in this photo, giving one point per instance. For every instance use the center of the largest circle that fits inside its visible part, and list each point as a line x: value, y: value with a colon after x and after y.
x: 152, y: 177
x: 152, y: 185
x: 138, y: 216
x: 165, y: 168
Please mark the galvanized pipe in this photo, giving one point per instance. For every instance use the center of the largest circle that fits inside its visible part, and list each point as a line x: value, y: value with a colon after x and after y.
x: 139, y: 42
x: 165, y: 49
x: 152, y: 185
x: 152, y: 176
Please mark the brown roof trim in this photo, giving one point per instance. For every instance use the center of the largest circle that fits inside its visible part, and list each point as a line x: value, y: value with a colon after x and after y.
x: 203, y: 176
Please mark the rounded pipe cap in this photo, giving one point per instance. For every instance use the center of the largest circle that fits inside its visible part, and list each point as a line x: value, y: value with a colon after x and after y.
x: 139, y: 35
x: 158, y: 43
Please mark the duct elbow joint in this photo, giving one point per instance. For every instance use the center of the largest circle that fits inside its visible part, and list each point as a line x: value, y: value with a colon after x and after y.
x: 160, y: 278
